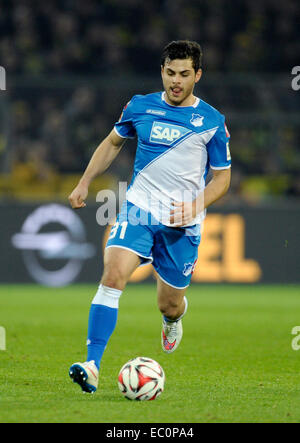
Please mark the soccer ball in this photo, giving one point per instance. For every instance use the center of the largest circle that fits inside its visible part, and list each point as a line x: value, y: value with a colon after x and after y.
x: 141, y: 379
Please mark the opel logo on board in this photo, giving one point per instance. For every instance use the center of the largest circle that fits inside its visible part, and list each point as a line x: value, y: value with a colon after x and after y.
x: 53, y: 244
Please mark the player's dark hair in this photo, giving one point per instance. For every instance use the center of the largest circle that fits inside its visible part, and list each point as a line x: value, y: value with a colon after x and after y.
x: 183, y: 49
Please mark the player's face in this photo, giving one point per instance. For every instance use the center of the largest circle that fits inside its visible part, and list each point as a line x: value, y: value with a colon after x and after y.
x: 179, y: 78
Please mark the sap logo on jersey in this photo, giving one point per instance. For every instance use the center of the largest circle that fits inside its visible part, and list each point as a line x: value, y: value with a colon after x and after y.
x: 166, y: 133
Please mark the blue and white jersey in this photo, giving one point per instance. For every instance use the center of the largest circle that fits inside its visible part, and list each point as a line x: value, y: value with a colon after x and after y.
x: 176, y: 147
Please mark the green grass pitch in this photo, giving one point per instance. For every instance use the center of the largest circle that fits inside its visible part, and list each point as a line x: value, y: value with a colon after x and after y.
x: 235, y: 362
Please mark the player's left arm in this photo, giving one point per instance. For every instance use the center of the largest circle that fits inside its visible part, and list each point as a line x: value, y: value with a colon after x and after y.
x: 185, y: 212
x: 216, y: 188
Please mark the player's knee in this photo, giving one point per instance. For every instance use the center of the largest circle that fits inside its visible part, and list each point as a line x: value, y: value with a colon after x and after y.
x: 114, y: 277
x: 170, y: 308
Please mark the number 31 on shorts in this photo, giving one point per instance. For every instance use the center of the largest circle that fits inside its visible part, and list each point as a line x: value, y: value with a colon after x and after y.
x: 115, y: 229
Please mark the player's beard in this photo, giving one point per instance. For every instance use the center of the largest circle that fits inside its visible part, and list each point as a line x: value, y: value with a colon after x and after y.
x: 174, y: 97
x: 179, y: 98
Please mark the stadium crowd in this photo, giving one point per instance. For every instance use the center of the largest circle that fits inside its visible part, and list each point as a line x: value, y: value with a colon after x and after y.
x: 101, y: 36
x: 60, y: 57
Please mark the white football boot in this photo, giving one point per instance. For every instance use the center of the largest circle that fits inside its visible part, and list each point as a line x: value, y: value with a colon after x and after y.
x: 86, y: 375
x: 171, y: 335
x: 172, y: 332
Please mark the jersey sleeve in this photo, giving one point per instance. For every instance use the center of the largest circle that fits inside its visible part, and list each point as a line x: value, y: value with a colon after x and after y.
x: 125, y: 126
x: 218, y: 148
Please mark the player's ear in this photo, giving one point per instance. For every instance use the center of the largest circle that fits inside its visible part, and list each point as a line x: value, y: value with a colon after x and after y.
x: 198, y: 75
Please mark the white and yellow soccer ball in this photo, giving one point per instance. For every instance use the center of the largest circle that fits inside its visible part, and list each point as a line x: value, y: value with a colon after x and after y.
x: 141, y: 379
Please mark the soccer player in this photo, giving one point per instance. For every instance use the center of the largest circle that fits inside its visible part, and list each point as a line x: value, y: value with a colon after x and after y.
x: 179, y: 137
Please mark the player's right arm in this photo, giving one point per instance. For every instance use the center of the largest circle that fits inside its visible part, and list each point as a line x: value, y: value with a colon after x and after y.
x: 102, y: 158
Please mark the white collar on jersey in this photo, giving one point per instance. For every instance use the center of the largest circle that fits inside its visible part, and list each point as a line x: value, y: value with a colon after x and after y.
x: 191, y: 106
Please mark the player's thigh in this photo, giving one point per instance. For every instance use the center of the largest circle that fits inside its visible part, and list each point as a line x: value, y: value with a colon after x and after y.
x: 168, y: 297
x: 174, y: 257
x: 119, y: 264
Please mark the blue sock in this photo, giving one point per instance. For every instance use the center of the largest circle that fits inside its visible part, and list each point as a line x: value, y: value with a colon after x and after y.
x: 102, y: 322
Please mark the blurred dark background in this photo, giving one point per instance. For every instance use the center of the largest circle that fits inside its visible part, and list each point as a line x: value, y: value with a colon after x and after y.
x: 72, y: 65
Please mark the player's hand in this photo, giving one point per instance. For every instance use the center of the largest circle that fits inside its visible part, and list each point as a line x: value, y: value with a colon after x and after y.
x: 182, y: 213
x: 78, y: 196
